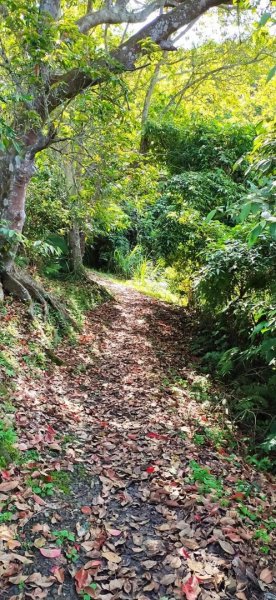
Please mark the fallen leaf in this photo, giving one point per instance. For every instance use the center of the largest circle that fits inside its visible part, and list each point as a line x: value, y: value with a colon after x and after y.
x: 50, y: 552
x: 8, y: 486
x: 59, y: 574
x: 115, y: 532
x: 88, y: 546
x: 82, y: 576
x: 86, y: 510
x: 191, y: 544
x: 6, y: 557
x: 18, y: 579
x: 111, y: 556
x: 266, y: 576
x: 226, y: 547
x: 174, y: 562
x: 40, y: 580
x: 6, y: 533
x: 12, y: 544
x: 116, y: 584
x: 39, y: 542
x: 191, y: 588
x: 168, y: 579
x: 92, y: 564
x: 149, y: 564
x: 39, y: 500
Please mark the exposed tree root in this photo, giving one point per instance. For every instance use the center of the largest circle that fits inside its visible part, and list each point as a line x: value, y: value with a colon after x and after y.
x: 25, y: 288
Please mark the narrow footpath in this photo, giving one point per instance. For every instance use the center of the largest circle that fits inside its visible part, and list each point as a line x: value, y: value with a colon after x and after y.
x: 130, y: 492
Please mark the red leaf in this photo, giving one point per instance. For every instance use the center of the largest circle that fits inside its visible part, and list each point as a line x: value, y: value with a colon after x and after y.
x: 150, y: 469
x: 184, y: 553
x: 114, y: 532
x: 191, y: 588
x: 51, y: 430
x: 86, y: 510
x: 50, y: 552
x: 5, y: 474
x: 81, y: 578
x: 238, y: 496
x: 156, y: 436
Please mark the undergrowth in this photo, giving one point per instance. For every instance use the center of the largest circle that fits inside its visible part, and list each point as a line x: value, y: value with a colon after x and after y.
x: 229, y: 432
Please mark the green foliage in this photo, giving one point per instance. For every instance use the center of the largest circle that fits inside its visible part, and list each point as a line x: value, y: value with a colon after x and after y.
x: 41, y: 488
x: 203, y: 476
x: 64, y: 536
x: 6, y: 517
x: 8, y: 439
x: 199, y: 145
x: 72, y: 555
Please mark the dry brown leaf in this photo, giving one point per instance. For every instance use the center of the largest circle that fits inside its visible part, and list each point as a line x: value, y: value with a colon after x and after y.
x: 127, y: 587
x: 241, y: 596
x: 193, y: 565
x: 226, y: 547
x: 116, y: 584
x: 111, y: 556
x: 59, y: 574
x: 154, y: 546
x: 149, y: 564
x: 150, y: 587
x: 266, y: 576
x: 164, y: 527
x: 168, y: 579
x: 17, y: 579
x: 39, y: 579
x: 174, y: 561
x: 8, y: 486
x: 6, y: 533
x: 88, y: 546
x: 190, y: 544
x: 12, y: 544
x: 6, y: 557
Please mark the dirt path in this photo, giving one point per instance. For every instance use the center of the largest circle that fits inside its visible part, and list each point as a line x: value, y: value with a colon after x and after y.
x: 148, y: 504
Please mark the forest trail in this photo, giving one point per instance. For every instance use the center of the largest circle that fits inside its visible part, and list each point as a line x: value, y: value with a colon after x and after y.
x: 145, y: 505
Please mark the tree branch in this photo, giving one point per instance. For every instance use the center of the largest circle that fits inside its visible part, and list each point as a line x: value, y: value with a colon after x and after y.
x: 114, y: 15
x: 159, y: 30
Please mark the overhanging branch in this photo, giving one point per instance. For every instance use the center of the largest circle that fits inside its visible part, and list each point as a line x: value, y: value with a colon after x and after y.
x: 159, y: 31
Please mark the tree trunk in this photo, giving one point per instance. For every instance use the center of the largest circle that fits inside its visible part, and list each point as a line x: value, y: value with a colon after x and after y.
x: 75, y: 248
x: 144, y: 146
x: 15, y: 174
x: 74, y: 237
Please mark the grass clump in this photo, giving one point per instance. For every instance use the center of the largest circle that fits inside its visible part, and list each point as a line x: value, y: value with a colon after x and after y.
x: 8, y: 439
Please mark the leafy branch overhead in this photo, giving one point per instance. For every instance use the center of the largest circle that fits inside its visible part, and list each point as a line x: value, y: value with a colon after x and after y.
x: 52, y: 37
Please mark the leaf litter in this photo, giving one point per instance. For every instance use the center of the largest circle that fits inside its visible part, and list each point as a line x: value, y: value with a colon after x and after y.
x: 116, y: 500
